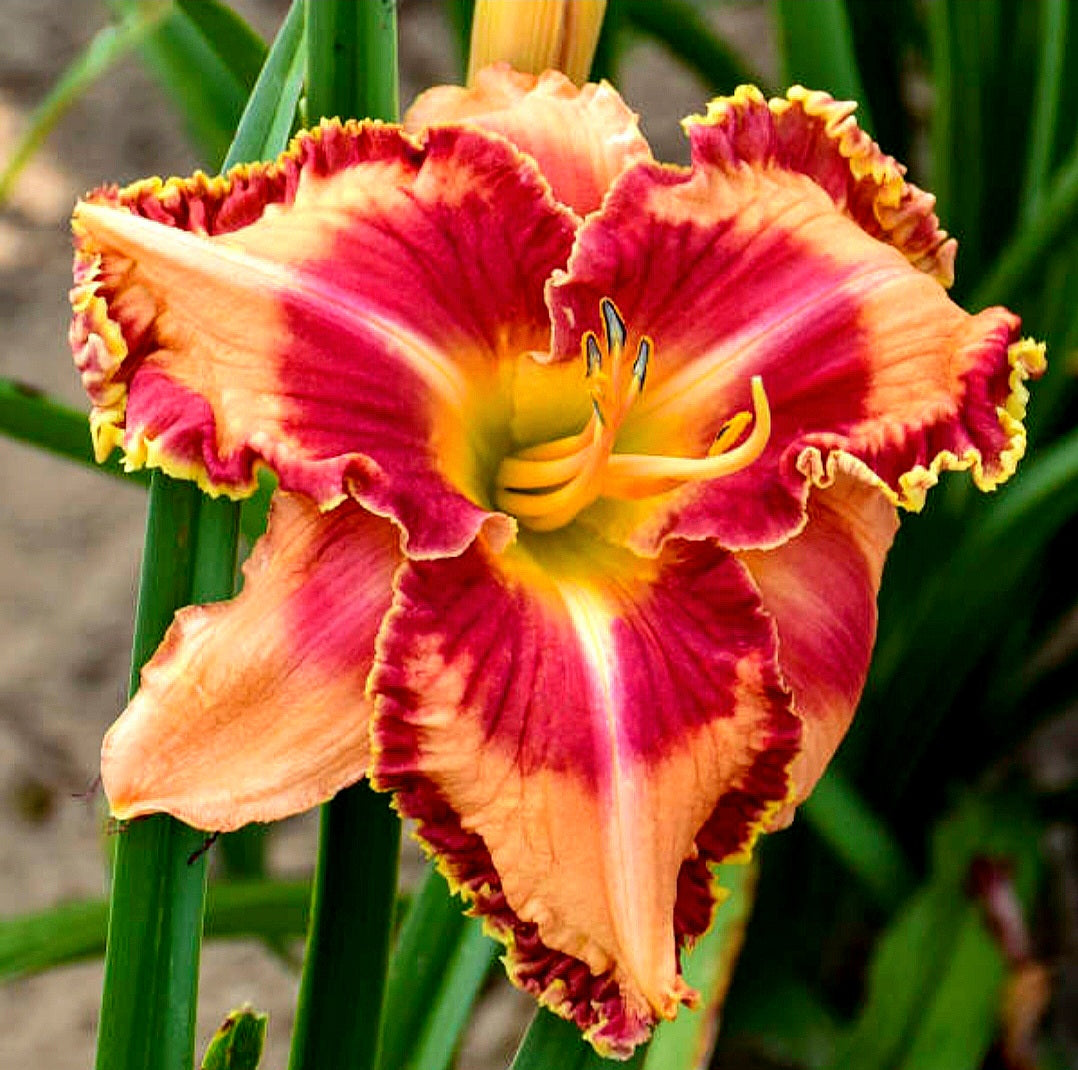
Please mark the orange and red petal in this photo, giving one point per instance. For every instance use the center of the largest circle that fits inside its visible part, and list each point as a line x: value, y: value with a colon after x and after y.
x: 746, y: 266
x: 578, y: 733
x: 255, y: 709
x: 581, y: 138
x: 345, y: 315
x: 820, y: 587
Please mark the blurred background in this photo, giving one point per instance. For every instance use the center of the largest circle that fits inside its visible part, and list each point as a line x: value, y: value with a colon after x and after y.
x: 922, y: 910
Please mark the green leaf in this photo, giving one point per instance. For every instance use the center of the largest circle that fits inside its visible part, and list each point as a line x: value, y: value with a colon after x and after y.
x: 238, y: 1043
x: 958, y: 613
x: 1047, y: 103
x: 936, y: 976
x: 686, y: 1042
x: 433, y: 929
x: 238, y: 46
x: 270, y: 114
x: 448, y: 1014
x: 29, y: 416
x: 552, y: 1042
x: 1053, y: 221
x: 860, y: 839
x: 208, y: 85
x: 105, y: 48
x: 688, y: 36
x: 817, y: 50
x: 438, y: 964
x: 271, y: 909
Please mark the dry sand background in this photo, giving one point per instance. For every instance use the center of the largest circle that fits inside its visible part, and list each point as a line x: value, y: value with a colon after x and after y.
x: 70, y: 538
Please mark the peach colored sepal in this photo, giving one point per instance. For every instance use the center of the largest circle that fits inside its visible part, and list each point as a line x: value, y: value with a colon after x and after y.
x: 821, y: 588
x: 254, y: 709
x: 536, y: 35
x: 570, y: 727
x: 581, y: 139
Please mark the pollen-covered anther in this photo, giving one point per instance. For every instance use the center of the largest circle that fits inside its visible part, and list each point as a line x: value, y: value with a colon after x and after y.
x: 546, y: 486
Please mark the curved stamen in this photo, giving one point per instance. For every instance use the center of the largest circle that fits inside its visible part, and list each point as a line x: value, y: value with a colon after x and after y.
x: 630, y: 475
x: 545, y: 486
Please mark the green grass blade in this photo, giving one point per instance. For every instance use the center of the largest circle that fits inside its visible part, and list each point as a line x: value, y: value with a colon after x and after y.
x: 686, y: 1042
x: 105, y: 49
x: 267, y: 121
x: 352, y: 59
x: 683, y: 30
x: 860, y: 839
x: 29, y: 416
x: 1048, y: 97
x: 209, y: 92
x: 238, y: 47
x: 552, y: 1042
x: 270, y: 909
x: 817, y: 50
x: 338, y: 1016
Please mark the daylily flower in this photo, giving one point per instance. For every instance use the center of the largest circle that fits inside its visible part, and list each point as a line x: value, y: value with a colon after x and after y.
x: 588, y: 467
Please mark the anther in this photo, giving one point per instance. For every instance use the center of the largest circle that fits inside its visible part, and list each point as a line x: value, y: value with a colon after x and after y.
x: 614, y: 326
x: 593, y: 355
x: 640, y: 365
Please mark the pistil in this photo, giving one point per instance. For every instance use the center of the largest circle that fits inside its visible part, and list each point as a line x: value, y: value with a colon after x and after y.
x: 546, y: 486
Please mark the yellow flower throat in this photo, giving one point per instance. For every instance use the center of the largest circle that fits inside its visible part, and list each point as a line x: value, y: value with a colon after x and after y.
x: 547, y: 485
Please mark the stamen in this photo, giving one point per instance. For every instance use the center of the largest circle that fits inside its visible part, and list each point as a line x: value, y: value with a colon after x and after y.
x: 640, y: 476
x: 547, y: 485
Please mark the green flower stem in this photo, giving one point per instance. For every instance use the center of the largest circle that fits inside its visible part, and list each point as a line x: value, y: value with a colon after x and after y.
x: 27, y: 415
x: 352, y: 59
x: 338, y: 1017
x: 155, y: 914
x: 552, y: 1043
x: 351, y: 71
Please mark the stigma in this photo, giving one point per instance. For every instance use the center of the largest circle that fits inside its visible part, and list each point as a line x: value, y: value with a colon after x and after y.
x: 546, y: 486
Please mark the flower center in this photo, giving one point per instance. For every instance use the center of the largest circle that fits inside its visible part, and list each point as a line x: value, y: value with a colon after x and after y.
x: 547, y: 485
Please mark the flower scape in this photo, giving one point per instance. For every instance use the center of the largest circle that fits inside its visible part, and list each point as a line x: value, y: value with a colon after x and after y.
x: 587, y: 469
